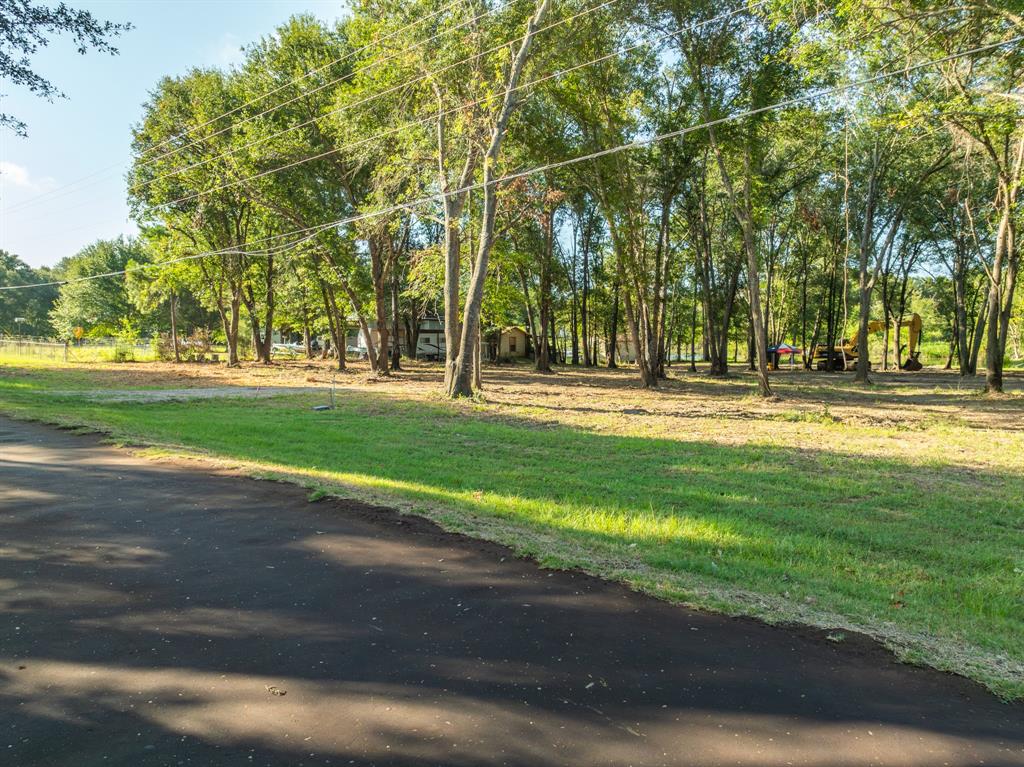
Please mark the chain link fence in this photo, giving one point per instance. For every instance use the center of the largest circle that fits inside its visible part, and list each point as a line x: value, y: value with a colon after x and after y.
x: 84, y: 350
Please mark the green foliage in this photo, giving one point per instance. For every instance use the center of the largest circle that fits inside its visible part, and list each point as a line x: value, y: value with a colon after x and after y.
x: 100, y: 307
x: 31, y: 306
x: 322, y: 123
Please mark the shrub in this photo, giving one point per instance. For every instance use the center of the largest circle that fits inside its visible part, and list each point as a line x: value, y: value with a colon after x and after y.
x: 196, y: 348
x: 163, y: 347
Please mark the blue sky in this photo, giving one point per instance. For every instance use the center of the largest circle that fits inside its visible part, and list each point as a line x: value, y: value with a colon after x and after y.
x: 89, y: 134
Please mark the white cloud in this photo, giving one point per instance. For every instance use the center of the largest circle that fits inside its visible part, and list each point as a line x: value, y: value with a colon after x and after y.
x: 19, y: 176
x: 227, y: 51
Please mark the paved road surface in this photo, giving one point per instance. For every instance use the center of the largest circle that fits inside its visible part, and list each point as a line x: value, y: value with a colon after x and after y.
x: 160, y: 615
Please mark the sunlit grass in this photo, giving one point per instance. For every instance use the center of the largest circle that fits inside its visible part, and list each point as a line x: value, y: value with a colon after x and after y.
x: 923, y: 550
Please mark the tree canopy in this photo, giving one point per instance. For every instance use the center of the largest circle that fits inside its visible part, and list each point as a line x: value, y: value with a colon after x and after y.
x: 636, y: 183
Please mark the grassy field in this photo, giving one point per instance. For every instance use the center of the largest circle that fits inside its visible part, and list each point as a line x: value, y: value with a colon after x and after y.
x: 896, y: 510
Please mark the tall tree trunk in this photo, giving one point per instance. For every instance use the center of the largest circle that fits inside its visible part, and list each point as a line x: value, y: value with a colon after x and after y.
x: 1002, y: 278
x: 960, y: 321
x: 558, y: 356
x: 751, y: 348
x: 174, y: 327
x: 460, y: 384
x: 364, y: 327
x: 693, y: 331
x: 412, y: 333
x: 803, y: 308
x: 271, y: 298
x: 664, y: 256
x: 574, y: 338
x: 887, y: 318
x: 613, y: 331
x: 231, y: 330
x: 543, y: 361
x: 478, y: 362
x: 742, y: 211
x: 865, y: 278
x: 530, y: 316
x: 396, y: 350
x: 452, y: 274
x: 757, y: 318
x: 340, y: 332
x: 978, y: 337
x: 588, y: 360
x: 647, y: 355
x: 378, y: 267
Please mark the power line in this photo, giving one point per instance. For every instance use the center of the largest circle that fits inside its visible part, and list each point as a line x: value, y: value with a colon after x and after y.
x: 328, y: 65
x: 341, y: 78
x: 192, y: 257
x: 380, y: 94
x: 443, y: 113
x: 67, y: 188
x: 336, y: 150
x: 638, y: 143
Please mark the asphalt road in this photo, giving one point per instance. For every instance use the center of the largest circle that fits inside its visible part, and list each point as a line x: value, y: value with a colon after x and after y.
x: 153, y: 614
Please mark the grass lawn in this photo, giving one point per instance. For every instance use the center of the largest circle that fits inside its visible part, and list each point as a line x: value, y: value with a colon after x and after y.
x: 896, y: 510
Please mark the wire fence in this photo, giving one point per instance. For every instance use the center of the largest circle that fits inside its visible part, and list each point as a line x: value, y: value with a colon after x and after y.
x: 85, y: 350
x: 20, y: 347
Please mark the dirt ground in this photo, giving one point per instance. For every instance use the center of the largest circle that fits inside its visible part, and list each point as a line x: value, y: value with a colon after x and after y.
x: 614, y: 400
x: 158, y: 614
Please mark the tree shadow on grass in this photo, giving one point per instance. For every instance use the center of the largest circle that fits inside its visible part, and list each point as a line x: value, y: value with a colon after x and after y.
x: 892, y: 398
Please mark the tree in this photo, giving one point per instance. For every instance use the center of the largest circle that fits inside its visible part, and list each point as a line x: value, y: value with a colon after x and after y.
x: 98, y: 306
x: 182, y: 178
x: 31, y: 305
x: 745, y: 65
x: 687, y: 185
x: 461, y: 365
x: 25, y: 27
x: 164, y: 293
x: 975, y: 95
x: 594, y: 109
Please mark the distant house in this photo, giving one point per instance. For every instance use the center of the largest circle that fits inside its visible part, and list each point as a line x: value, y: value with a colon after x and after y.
x: 512, y: 343
x: 504, y: 344
x: 429, y: 339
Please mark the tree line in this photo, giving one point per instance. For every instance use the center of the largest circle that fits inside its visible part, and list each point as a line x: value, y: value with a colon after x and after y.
x: 668, y: 177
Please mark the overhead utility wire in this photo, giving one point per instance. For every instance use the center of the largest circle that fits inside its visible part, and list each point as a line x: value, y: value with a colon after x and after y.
x: 65, y: 189
x: 362, y: 102
x: 321, y: 68
x: 443, y: 113
x: 336, y: 150
x: 647, y: 141
x: 323, y: 86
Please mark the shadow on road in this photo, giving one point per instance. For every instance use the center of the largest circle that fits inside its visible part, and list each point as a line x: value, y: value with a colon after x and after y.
x: 158, y: 616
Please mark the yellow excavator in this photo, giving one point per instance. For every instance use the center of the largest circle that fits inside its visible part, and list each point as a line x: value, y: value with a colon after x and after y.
x: 845, y: 357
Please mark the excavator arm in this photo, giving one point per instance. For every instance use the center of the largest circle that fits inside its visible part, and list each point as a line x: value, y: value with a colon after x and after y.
x: 915, y: 329
x: 874, y: 326
x: 850, y: 349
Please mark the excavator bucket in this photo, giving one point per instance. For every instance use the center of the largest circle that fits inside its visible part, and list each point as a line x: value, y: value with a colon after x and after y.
x: 915, y: 336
